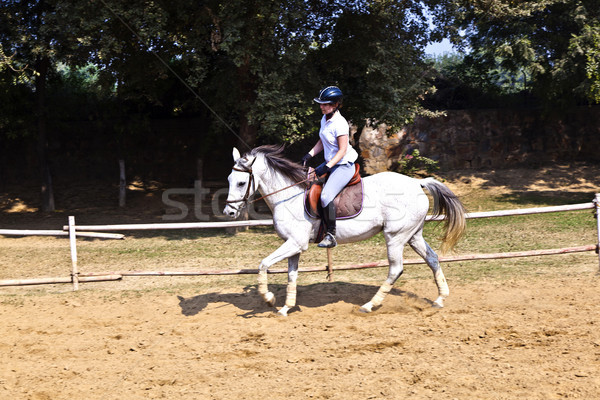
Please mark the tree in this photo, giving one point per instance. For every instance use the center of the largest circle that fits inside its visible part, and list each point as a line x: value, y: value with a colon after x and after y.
x: 249, y: 66
x: 377, y: 55
x: 28, y: 37
x: 255, y: 53
x: 35, y: 37
x: 259, y: 63
x: 554, y: 42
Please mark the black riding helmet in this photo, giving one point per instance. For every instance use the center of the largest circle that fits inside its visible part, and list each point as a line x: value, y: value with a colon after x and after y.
x: 329, y: 95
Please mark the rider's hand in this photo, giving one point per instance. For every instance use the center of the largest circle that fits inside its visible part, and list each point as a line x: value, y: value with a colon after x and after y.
x: 306, y: 158
x: 322, y: 170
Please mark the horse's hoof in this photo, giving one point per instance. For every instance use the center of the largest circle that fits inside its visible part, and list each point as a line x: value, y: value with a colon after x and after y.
x: 283, y: 312
x: 365, y: 309
x: 270, y: 299
x: 439, y: 303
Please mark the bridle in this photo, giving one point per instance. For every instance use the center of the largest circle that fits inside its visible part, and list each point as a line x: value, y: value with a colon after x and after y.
x: 245, y: 201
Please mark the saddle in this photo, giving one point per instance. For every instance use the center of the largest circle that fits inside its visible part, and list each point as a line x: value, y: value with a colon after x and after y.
x: 348, y: 203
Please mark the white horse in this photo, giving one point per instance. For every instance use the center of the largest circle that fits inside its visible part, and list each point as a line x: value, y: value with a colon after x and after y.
x: 393, y: 203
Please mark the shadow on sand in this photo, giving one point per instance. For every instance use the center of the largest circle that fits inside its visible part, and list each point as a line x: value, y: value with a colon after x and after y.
x: 310, y: 296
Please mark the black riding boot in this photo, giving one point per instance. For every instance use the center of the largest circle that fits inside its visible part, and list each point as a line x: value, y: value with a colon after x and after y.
x: 329, y: 219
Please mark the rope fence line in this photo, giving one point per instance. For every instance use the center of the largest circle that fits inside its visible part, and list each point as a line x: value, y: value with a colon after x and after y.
x: 72, y: 231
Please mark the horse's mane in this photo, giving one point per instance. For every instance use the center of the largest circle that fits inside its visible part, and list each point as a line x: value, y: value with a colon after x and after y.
x: 274, y: 157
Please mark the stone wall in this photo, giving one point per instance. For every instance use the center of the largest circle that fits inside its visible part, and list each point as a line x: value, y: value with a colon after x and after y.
x: 488, y: 139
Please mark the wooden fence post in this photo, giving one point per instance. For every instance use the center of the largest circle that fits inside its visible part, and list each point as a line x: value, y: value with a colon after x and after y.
x: 329, y: 265
x: 73, y: 243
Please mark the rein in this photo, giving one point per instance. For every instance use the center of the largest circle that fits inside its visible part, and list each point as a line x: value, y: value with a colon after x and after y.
x: 251, y: 183
x: 280, y: 190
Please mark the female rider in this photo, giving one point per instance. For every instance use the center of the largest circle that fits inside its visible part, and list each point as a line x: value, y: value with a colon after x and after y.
x: 338, y: 153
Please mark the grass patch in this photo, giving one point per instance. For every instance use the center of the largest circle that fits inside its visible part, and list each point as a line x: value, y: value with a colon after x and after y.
x: 545, y: 198
x: 217, y: 249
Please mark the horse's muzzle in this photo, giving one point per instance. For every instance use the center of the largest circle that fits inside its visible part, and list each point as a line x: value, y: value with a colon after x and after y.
x: 231, y: 212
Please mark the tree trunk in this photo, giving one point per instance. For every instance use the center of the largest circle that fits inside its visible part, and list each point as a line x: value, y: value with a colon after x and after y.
x: 2, y: 163
x: 248, y: 132
x: 47, y: 192
x: 122, y: 184
x: 199, y: 171
x: 248, y: 86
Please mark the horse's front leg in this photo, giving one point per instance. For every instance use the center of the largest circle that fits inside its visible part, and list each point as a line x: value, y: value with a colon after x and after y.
x: 290, y: 299
x: 288, y: 249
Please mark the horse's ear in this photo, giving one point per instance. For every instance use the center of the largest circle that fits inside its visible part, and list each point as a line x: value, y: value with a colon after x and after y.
x: 236, y: 154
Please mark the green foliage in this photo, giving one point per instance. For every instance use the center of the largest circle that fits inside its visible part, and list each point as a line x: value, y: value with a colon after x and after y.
x: 376, y: 56
x: 254, y: 62
x: 17, y: 107
x: 460, y: 83
x: 413, y: 164
x: 588, y: 44
x: 552, y: 43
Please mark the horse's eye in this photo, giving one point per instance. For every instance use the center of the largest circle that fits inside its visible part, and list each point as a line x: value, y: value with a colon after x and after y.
x: 240, y: 184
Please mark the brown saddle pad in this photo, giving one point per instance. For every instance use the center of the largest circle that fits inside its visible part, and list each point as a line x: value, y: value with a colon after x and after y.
x: 348, y: 203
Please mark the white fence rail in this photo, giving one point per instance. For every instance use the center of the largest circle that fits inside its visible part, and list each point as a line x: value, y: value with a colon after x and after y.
x: 268, y: 222
x: 183, y: 225
x: 41, y: 232
x: 524, y: 211
x: 72, y: 230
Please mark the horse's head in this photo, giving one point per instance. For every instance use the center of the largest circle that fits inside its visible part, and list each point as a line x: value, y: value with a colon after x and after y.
x: 242, y: 183
x: 264, y: 167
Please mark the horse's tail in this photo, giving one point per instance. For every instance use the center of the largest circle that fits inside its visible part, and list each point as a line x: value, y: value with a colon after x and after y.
x: 447, y: 203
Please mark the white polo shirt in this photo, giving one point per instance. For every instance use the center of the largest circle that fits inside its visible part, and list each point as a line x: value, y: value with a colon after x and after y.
x: 329, y: 132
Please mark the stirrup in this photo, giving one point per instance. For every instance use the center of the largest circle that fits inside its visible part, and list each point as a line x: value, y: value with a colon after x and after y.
x: 328, y: 241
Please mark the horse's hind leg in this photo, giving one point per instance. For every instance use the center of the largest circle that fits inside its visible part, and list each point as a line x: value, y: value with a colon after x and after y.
x: 395, y: 248
x: 422, y: 248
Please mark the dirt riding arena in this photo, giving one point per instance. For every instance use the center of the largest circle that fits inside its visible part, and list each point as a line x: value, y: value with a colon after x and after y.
x: 519, y: 336
x: 531, y: 339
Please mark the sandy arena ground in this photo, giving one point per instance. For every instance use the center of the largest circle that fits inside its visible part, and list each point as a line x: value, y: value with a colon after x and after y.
x: 534, y: 338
